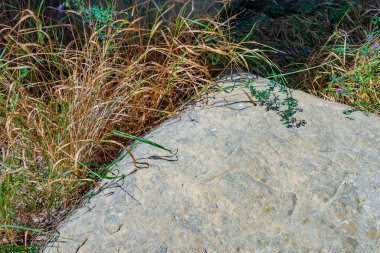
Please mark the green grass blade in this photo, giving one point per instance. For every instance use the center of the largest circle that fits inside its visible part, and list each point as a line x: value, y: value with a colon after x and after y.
x: 31, y: 248
x: 25, y: 229
x: 136, y: 138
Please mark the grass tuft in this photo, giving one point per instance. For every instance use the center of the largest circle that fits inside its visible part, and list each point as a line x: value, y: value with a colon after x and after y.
x: 329, y: 48
x: 351, y: 75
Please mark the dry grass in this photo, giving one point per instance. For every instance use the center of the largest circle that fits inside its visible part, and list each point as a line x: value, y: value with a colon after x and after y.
x: 65, y: 87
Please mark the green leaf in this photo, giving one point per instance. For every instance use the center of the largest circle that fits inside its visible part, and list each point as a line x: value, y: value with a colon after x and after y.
x: 11, y: 213
x: 100, y: 175
x: 24, y: 228
x: 32, y: 248
x: 146, y: 141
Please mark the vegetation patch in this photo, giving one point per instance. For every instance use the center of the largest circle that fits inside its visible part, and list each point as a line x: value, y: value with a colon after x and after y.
x: 77, y: 83
x: 328, y: 48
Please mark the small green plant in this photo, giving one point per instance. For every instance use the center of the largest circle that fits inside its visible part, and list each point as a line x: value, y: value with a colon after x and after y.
x: 97, y: 18
x: 284, y: 103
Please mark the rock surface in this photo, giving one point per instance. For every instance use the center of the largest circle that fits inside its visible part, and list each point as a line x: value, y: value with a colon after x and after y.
x: 241, y: 182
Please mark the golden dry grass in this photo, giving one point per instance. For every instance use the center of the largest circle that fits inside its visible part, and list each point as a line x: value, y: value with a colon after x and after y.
x: 64, y: 90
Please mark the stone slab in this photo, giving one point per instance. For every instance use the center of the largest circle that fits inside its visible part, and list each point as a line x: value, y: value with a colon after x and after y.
x: 241, y: 182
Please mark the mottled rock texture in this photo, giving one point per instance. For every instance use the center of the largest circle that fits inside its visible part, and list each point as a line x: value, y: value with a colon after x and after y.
x: 241, y: 182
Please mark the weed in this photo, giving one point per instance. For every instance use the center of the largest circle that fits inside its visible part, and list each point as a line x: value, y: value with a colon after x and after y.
x: 97, y: 18
x: 284, y: 103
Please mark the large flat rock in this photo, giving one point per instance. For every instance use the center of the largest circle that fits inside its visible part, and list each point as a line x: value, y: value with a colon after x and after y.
x: 241, y: 182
